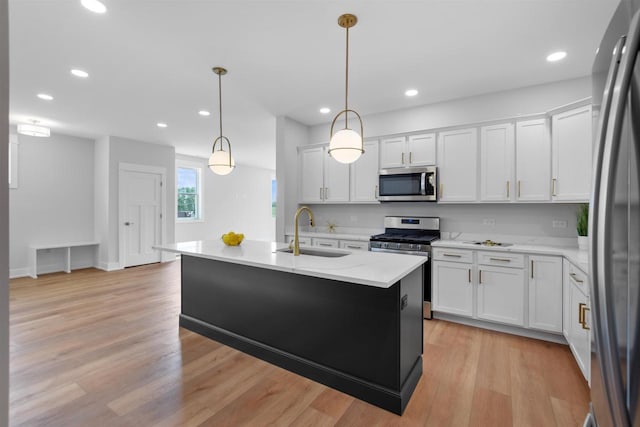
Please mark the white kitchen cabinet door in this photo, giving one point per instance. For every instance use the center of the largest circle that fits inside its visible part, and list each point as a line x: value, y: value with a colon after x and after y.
x: 496, y: 162
x: 336, y: 179
x: 545, y: 293
x: 566, y: 301
x: 421, y: 150
x: 392, y: 152
x: 452, y: 288
x: 354, y: 245
x: 364, y: 174
x: 311, y: 175
x: 457, y: 165
x: 572, y: 148
x: 533, y: 161
x: 579, y: 330
x: 501, y: 294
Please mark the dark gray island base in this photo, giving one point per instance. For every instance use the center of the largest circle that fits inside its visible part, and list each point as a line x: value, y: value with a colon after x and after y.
x: 362, y: 340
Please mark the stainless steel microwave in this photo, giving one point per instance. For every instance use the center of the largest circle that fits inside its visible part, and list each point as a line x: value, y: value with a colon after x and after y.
x: 408, y: 184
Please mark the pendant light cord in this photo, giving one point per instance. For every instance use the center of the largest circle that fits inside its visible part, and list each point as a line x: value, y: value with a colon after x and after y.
x: 220, y: 103
x: 346, y: 84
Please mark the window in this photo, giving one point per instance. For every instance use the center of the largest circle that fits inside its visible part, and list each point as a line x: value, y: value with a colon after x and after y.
x: 189, y: 192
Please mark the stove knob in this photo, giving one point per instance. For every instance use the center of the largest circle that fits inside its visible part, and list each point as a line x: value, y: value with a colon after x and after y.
x: 412, y: 246
x: 419, y: 247
x: 397, y: 245
x: 384, y: 245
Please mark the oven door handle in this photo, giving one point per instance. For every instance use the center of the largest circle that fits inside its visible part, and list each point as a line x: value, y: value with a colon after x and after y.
x: 398, y: 251
x: 423, y: 183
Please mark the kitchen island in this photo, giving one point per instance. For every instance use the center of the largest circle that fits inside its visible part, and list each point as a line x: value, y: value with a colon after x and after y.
x: 352, y: 322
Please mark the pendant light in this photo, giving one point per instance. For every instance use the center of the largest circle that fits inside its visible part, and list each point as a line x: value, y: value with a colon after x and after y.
x: 221, y: 162
x: 34, y: 130
x: 346, y: 145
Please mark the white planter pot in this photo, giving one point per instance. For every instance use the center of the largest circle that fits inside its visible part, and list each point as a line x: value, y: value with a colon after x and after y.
x: 583, y: 243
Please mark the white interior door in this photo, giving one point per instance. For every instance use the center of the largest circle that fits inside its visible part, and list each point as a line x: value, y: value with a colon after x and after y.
x: 142, y: 216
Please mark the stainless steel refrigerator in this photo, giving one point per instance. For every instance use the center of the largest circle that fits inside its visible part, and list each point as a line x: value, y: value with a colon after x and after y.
x: 614, y: 225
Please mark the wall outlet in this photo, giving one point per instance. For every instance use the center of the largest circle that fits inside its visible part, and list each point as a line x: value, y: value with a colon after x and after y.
x: 557, y: 223
x: 489, y: 221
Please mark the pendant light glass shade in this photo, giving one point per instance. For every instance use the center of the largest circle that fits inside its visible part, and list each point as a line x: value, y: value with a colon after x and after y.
x: 221, y: 161
x: 346, y: 145
x: 34, y: 130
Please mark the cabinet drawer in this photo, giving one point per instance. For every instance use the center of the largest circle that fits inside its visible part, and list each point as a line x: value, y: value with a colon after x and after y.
x: 578, y: 278
x: 354, y: 244
x: 453, y: 255
x: 501, y: 259
x: 304, y: 241
x: 325, y: 243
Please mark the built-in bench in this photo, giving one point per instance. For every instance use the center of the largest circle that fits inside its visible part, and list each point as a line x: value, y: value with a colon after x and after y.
x: 33, y: 254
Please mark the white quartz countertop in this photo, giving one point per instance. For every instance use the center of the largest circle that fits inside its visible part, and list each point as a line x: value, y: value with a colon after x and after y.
x: 362, y: 267
x: 575, y: 256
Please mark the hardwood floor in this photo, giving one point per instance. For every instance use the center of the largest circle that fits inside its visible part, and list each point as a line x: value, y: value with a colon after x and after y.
x: 104, y: 349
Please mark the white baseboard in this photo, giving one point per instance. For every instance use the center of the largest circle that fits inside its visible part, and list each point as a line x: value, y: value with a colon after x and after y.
x: 514, y: 330
x: 14, y: 273
x: 108, y: 266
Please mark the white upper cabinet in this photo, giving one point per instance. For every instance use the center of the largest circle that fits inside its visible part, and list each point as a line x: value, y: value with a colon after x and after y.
x: 336, y: 179
x: 533, y: 161
x: 392, y: 152
x: 572, y: 147
x: 311, y: 175
x: 496, y: 163
x: 411, y: 151
x: 364, y: 174
x: 457, y: 165
x: 322, y: 179
x: 422, y: 149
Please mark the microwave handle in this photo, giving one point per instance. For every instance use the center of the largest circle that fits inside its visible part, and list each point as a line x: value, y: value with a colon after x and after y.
x: 423, y: 183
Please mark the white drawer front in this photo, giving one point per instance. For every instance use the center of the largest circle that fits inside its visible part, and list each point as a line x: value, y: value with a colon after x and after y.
x: 355, y: 245
x: 501, y: 259
x: 304, y: 241
x: 577, y: 277
x: 452, y: 255
x: 325, y: 243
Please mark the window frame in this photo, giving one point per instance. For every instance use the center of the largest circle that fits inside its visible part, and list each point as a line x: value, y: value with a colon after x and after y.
x: 183, y: 164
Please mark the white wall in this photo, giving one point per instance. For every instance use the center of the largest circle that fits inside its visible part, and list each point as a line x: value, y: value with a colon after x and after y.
x: 53, y: 202
x: 4, y: 217
x: 123, y: 150
x: 101, y: 200
x: 528, y: 100
x: 289, y: 135
x: 240, y: 202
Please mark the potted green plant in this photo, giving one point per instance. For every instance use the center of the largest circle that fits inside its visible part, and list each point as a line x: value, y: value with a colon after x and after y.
x: 582, y: 226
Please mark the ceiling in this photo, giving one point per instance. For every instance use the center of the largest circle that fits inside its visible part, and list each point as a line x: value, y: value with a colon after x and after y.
x: 150, y: 61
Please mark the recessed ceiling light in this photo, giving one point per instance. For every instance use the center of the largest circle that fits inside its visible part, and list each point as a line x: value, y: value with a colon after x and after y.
x: 325, y: 110
x: 411, y: 92
x: 161, y: 125
x: 94, y: 6
x: 80, y: 73
x: 45, y: 96
x: 204, y: 113
x: 556, y: 56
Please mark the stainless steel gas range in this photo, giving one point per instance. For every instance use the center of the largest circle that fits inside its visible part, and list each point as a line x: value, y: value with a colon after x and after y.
x: 410, y: 235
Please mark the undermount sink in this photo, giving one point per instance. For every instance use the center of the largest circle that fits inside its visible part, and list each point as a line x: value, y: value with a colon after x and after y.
x: 315, y: 252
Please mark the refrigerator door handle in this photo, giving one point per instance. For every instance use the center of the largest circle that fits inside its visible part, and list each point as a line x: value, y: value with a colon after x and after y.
x: 601, y: 238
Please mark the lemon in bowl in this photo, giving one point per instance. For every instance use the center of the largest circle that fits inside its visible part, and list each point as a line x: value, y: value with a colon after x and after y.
x: 232, y: 239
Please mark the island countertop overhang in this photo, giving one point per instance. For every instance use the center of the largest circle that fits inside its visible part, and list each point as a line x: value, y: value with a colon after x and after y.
x: 376, y: 269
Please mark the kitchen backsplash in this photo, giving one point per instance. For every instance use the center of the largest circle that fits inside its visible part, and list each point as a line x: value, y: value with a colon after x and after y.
x: 539, y: 220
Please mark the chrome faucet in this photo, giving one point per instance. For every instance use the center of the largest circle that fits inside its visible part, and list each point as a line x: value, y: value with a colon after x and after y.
x: 296, y: 239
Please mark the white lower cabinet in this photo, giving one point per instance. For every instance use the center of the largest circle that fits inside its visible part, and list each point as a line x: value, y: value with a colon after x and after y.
x: 452, y: 288
x: 545, y: 293
x: 501, y: 294
x: 303, y: 241
x: 354, y: 245
x: 324, y: 242
x: 577, y: 329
